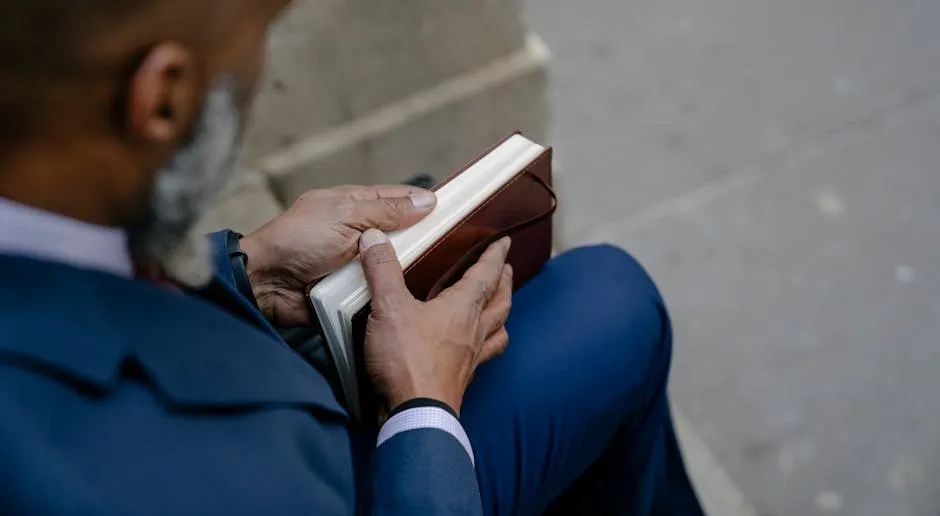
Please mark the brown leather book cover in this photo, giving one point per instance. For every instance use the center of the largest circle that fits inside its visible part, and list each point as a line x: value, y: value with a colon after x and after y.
x: 522, y: 210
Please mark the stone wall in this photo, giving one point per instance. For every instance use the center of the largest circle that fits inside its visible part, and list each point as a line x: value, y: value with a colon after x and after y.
x: 376, y: 92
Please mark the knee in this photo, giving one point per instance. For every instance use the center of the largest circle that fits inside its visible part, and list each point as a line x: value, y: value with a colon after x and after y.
x: 619, y: 300
x: 633, y: 309
x: 610, y: 268
x: 606, y: 316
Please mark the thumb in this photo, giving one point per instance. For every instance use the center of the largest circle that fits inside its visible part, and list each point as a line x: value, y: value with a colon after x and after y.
x: 383, y: 272
x: 392, y: 213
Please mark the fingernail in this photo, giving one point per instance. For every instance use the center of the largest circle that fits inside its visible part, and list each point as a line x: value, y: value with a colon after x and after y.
x: 422, y: 200
x: 371, y: 238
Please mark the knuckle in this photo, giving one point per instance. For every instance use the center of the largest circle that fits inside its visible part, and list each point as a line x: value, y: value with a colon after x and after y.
x: 505, y: 289
x: 508, y: 274
x: 472, y: 308
x: 389, y: 307
x: 479, y: 292
x: 482, y: 277
x: 397, y: 205
x: 311, y: 195
x: 346, y: 190
x: 505, y: 308
x: 466, y: 298
x: 502, y: 341
x: 463, y: 302
x: 345, y: 209
x: 378, y: 255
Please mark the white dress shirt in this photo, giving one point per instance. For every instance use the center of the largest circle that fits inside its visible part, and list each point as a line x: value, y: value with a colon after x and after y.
x: 34, y: 233
x: 27, y: 231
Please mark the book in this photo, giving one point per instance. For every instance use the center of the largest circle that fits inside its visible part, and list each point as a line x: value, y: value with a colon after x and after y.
x: 507, y: 191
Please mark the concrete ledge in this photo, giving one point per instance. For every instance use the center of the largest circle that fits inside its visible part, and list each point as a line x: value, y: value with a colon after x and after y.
x: 334, y: 61
x: 443, y: 126
x: 560, y: 222
x: 718, y: 493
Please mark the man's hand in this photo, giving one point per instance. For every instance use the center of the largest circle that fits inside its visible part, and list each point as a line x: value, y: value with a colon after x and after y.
x: 431, y: 350
x: 319, y: 234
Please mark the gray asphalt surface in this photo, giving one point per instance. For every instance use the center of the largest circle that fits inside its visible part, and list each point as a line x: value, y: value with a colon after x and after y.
x: 776, y: 165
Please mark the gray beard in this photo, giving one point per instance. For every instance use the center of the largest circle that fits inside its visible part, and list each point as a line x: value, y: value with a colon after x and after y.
x: 186, y: 188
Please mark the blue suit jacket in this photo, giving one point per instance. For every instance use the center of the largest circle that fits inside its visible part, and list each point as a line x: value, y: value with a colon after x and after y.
x: 121, y: 397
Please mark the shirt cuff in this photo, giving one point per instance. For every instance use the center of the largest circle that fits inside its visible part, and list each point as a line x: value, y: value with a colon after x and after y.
x: 425, y: 417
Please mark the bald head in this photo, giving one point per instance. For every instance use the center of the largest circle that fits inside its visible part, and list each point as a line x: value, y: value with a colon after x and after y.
x: 45, y: 35
x: 54, y: 51
x: 128, y: 112
x: 97, y: 95
x: 61, y: 57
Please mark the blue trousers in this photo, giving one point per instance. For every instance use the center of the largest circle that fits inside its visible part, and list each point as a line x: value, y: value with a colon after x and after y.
x: 573, y: 418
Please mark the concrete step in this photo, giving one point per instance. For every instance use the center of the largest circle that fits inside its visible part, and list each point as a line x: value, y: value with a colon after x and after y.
x: 717, y: 491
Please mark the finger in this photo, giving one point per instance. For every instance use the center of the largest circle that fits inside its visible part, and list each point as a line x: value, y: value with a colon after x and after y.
x: 383, y: 272
x: 494, y: 346
x: 480, y: 281
x: 360, y: 193
x: 371, y: 193
x: 497, y: 310
x: 389, y: 208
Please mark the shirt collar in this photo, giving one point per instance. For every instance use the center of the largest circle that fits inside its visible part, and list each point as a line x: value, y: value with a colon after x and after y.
x: 43, y: 235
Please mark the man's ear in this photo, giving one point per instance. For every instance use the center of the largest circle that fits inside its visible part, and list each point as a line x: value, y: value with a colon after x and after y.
x: 164, y: 94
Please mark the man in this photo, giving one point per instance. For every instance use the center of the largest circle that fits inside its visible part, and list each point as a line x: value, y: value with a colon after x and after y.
x: 136, y: 378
